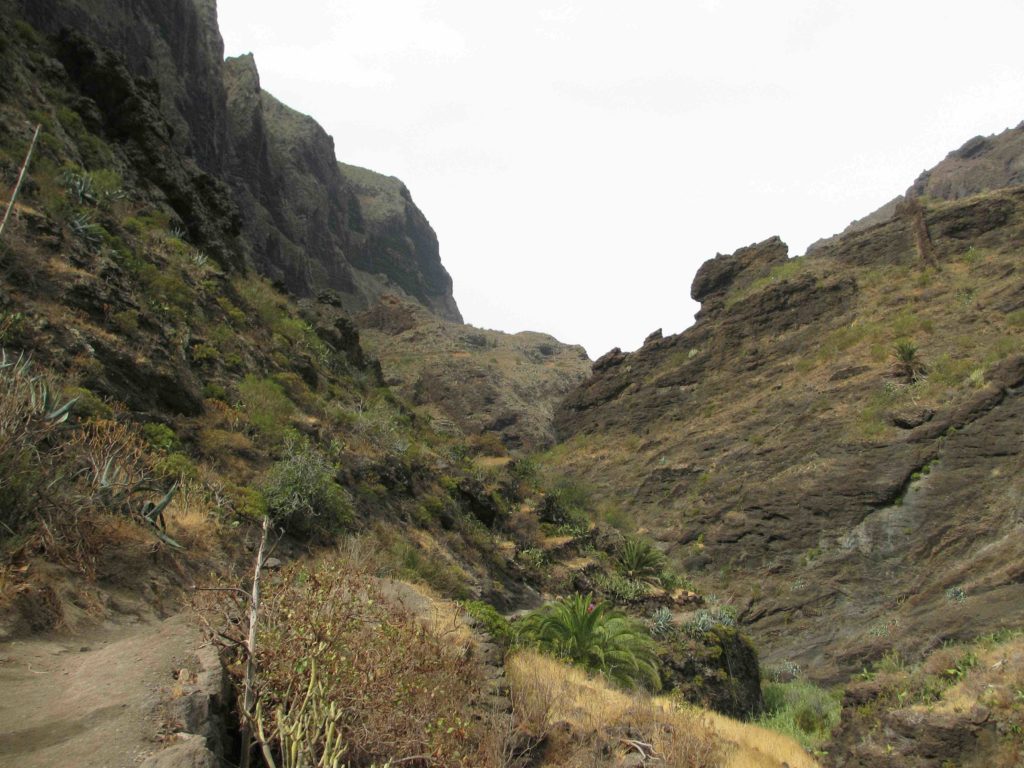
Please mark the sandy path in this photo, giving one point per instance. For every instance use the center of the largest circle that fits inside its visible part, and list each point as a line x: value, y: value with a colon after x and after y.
x: 92, y: 700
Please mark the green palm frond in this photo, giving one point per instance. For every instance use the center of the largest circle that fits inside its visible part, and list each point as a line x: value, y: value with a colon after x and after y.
x: 907, y: 362
x: 640, y: 561
x: 595, y: 636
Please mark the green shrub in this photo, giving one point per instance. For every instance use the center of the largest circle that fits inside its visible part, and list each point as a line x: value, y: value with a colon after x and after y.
x: 618, y: 518
x: 295, y: 387
x: 708, y: 618
x: 176, y: 467
x: 234, y: 314
x: 413, y: 564
x: 800, y: 710
x: 88, y: 405
x: 202, y: 353
x: 661, y: 622
x: 565, y: 504
x: 214, y: 391
x: 907, y: 362
x: 127, y: 321
x: 494, y: 623
x: 594, y: 636
x: 621, y: 589
x: 300, y: 492
x: 160, y: 436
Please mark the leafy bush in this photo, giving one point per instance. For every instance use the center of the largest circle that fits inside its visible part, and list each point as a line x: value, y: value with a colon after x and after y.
x: 622, y: 589
x: 412, y: 563
x: 596, y: 637
x: 176, y: 467
x: 31, y: 412
x: 300, y: 492
x: 661, y: 622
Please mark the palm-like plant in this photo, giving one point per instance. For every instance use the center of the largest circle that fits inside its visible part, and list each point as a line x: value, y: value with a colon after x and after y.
x: 598, y: 638
x: 907, y: 363
x: 640, y: 561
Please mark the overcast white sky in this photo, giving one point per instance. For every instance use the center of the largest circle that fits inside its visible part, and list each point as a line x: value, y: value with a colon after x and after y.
x: 580, y: 159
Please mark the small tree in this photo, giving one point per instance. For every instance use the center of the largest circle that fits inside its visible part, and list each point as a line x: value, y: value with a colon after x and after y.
x: 300, y: 490
x: 907, y: 363
x: 596, y: 637
x: 640, y: 561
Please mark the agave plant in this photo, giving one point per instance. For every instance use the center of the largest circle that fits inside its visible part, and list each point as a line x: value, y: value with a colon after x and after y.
x: 639, y: 561
x: 594, y: 636
x: 661, y: 622
x: 85, y: 229
x: 79, y: 187
x: 42, y: 397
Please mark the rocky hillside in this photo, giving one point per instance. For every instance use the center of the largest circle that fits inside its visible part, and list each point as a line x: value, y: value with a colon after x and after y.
x: 500, y: 389
x: 983, y: 163
x: 835, y: 443
x: 251, y: 180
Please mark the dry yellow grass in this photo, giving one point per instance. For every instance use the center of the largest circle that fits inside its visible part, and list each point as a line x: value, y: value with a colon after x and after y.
x: 191, y: 521
x: 491, y: 462
x: 444, y: 618
x: 555, y: 542
x: 756, y: 747
x: 546, y: 689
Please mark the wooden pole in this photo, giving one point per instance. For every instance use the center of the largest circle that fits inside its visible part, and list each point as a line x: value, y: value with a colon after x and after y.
x: 250, y: 664
x: 21, y: 178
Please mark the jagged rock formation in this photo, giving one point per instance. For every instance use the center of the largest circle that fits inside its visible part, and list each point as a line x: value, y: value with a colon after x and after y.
x: 253, y: 181
x: 482, y: 381
x: 775, y: 452
x: 983, y: 163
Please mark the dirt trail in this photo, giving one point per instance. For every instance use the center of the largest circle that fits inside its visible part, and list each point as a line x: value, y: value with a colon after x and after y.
x: 95, y: 699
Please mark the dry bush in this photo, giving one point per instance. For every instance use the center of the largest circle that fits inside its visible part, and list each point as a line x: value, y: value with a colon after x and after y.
x: 112, y: 458
x: 192, y: 518
x: 62, y: 481
x: 402, y: 691
x: 27, y: 435
x: 524, y: 528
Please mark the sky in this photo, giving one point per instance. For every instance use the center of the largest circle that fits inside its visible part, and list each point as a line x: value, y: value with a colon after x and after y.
x: 580, y: 159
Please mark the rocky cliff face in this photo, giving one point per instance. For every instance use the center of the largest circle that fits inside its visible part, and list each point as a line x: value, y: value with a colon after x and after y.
x: 782, y: 454
x: 278, y: 199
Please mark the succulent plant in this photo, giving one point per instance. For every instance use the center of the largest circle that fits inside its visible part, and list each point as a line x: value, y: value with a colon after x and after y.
x: 661, y: 622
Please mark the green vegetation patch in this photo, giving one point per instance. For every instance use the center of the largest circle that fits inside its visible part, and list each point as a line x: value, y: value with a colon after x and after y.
x: 802, y: 711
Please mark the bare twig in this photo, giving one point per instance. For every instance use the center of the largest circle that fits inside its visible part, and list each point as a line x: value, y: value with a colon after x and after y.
x: 242, y: 592
x: 248, y: 699
x: 21, y: 178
